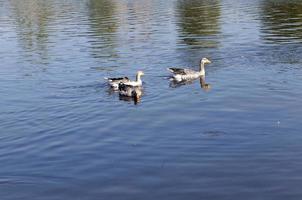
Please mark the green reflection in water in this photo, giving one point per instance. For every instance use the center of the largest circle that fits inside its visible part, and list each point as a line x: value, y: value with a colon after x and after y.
x: 103, y: 25
x: 282, y: 21
x: 32, y: 19
x: 199, y: 22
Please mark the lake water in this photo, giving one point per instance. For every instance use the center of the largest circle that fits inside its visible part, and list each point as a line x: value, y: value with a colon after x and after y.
x: 65, y: 135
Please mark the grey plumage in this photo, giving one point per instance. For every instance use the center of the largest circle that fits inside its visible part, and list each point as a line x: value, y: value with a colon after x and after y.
x: 182, y: 74
x: 129, y: 90
x: 181, y: 71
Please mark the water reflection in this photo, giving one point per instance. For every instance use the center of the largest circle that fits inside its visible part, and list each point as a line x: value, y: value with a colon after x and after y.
x: 32, y: 20
x: 205, y: 86
x: 103, y: 27
x: 199, y: 22
x: 202, y: 80
x: 282, y: 21
x: 135, y: 99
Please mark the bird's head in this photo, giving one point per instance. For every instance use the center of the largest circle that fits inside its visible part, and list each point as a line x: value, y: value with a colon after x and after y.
x: 140, y: 73
x: 205, y: 61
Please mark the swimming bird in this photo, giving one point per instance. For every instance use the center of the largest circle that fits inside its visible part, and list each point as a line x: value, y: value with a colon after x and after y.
x: 114, y: 82
x: 181, y: 74
x: 126, y: 90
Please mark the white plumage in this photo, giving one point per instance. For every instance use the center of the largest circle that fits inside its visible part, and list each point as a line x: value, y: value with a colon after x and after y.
x: 114, y: 82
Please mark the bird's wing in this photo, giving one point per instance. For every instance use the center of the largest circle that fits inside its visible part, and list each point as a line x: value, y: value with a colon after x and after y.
x: 181, y: 71
x: 177, y: 70
x: 117, y: 79
x: 124, y: 86
x: 189, y: 71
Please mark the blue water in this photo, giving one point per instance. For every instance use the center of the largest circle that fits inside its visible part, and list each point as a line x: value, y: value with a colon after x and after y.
x: 66, y: 135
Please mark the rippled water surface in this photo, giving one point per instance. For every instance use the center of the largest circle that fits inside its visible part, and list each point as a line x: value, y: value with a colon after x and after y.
x: 66, y: 135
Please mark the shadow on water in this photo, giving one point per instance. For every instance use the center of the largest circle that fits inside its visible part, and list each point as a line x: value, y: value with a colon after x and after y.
x: 202, y: 81
x: 135, y: 100
x: 32, y: 19
x: 205, y: 86
x: 199, y: 22
x: 281, y: 21
x: 103, y: 27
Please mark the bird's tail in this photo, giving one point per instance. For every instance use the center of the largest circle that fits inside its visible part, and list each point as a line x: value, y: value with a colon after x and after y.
x: 108, y: 79
x: 170, y: 70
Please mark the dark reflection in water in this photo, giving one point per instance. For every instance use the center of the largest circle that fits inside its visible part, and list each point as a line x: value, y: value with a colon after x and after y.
x: 205, y: 86
x: 135, y: 99
x: 282, y: 21
x: 103, y: 27
x: 32, y: 19
x: 199, y: 22
x: 202, y: 81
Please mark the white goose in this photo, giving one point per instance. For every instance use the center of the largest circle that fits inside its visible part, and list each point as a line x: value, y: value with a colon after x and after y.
x: 180, y: 74
x: 114, y: 82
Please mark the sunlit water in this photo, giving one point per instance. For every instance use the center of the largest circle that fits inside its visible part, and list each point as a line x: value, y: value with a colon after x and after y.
x: 65, y: 135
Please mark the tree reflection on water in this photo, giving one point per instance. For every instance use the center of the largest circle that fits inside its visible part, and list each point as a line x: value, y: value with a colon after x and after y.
x: 32, y: 19
x: 282, y: 21
x: 199, y: 22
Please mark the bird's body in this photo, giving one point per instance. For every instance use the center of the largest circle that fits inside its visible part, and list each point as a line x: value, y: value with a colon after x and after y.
x: 130, y: 91
x: 183, y: 74
x: 137, y: 83
x: 180, y: 74
x: 114, y: 82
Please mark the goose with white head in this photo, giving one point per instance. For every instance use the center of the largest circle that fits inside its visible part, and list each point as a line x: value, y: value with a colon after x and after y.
x: 183, y: 74
x: 114, y: 82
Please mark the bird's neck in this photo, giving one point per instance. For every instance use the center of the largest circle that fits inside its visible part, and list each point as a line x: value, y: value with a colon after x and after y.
x: 138, y: 78
x: 201, y: 68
